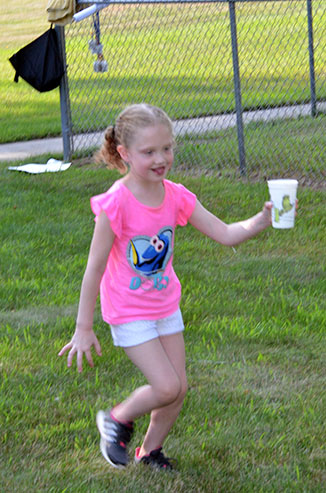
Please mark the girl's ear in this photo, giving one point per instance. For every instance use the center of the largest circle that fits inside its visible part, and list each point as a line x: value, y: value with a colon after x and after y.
x: 123, y: 152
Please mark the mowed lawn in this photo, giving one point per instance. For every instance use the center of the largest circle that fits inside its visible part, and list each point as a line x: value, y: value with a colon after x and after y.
x: 254, y: 416
x: 178, y: 57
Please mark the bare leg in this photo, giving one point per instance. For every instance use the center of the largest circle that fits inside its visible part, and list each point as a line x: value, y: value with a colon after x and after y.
x: 163, y: 418
x: 162, y: 361
x: 164, y: 383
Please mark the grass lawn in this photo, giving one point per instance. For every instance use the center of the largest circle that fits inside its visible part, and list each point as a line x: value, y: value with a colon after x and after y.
x: 254, y: 417
x: 192, y: 76
x: 282, y: 148
x: 25, y: 113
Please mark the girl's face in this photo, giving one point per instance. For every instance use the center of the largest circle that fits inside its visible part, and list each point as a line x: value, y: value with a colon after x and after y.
x: 150, y: 154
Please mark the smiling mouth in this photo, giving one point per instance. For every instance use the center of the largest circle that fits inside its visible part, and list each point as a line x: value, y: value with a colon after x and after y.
x: 159, y: 171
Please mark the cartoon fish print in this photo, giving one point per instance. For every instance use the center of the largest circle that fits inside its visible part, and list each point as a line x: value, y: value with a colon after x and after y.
x: 150, y: 255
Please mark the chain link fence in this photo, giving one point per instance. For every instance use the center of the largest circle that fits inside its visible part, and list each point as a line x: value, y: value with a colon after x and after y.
x: 244, y: 81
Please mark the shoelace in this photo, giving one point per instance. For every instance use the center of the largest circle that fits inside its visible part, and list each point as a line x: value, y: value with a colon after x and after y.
x: 156, y: 457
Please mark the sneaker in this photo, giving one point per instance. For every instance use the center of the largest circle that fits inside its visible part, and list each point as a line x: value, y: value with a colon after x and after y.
x: 156, y: 459
x: 115, y: 437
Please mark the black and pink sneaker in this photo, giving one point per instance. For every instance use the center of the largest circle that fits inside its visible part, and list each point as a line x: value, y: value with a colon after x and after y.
x: 115, y: 437
x: 156, y: 459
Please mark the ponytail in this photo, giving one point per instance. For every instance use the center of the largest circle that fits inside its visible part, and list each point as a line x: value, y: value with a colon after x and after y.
x: 108, y: 153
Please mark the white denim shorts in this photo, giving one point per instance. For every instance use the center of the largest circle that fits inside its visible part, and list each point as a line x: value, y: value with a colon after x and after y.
x: 140, y: 331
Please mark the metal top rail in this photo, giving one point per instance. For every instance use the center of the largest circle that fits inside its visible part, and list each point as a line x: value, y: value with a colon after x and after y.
x: 108, y: 2
x: 101, y: 4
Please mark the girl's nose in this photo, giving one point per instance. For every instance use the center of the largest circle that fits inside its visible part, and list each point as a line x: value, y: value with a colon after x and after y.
x: 159, y: 157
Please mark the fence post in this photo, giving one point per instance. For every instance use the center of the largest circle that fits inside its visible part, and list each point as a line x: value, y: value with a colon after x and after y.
x: 311, y: 60
x: 66, y: 126
x: 237, y: 87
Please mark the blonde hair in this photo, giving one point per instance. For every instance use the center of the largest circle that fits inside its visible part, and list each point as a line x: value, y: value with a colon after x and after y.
x: 122, y: 133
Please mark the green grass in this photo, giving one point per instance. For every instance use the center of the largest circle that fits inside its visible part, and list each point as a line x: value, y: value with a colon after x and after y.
x: 280, y: 148
x: 196, y: 79
x: 25, y: 113
x: 254, y: 416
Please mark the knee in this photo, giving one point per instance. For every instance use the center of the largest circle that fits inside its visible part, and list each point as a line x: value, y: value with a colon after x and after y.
x: 169, y: 391
x: 182, y: 392
x: 173, y: 391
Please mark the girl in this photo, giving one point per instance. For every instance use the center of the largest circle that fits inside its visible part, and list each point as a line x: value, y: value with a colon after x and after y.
x: 130, y: 262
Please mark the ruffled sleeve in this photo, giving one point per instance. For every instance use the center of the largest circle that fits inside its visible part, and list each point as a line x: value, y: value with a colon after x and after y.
x: 109, y: 203
x: 186, y: 206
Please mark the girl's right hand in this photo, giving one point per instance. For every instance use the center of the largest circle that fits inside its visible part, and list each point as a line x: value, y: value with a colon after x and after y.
x: 80, y: 344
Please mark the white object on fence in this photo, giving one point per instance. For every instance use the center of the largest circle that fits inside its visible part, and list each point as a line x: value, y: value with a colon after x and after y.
x: 83, y: 14
x: 52, y: 166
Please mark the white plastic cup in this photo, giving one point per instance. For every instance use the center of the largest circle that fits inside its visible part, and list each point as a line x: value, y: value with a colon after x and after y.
x: 283, y: 194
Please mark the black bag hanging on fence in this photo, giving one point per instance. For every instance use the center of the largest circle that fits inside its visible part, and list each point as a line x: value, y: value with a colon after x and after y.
x: 39, y: 63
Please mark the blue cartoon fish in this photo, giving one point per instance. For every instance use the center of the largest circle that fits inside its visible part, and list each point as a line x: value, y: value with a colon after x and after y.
x: 152, y: 259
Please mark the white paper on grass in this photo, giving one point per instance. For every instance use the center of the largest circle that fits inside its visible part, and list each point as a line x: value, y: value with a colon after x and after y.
x: 52, y: 166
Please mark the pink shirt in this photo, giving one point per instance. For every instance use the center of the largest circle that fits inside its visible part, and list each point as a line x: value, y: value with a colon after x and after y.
x: 139, y: 282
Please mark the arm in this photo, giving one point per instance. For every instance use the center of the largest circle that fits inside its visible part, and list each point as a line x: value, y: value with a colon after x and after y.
x: 84, y: 337
x: 230, y: 234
